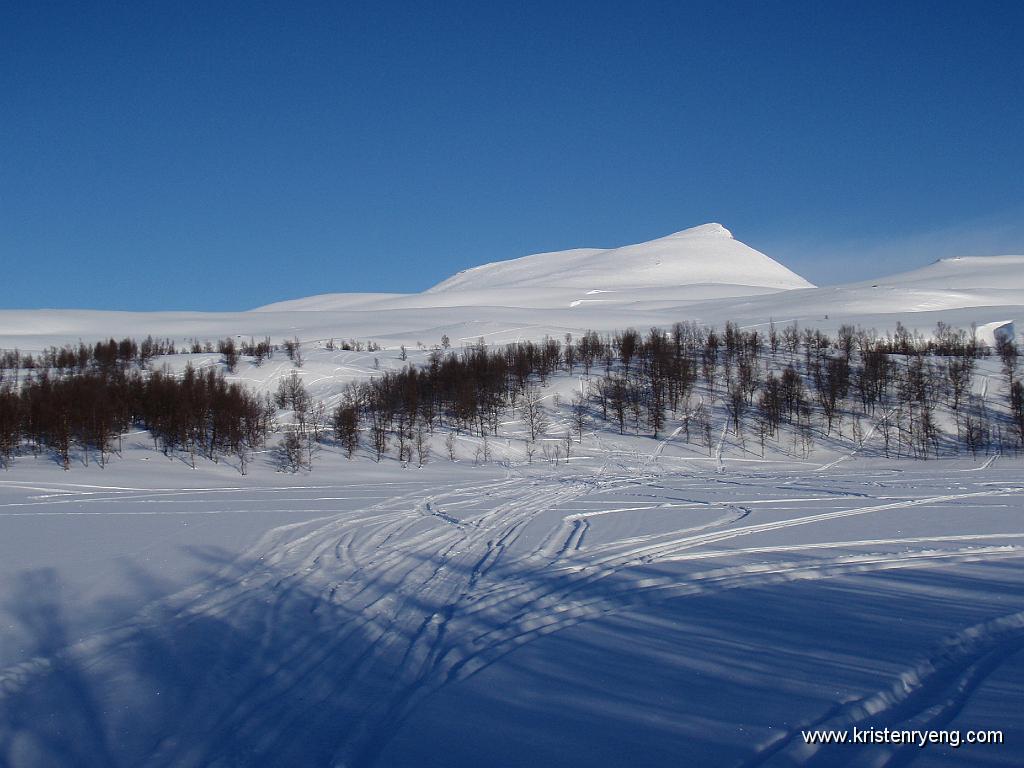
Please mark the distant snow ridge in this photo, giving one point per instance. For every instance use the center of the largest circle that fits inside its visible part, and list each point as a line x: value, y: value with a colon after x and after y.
x: 1004, y: 273
x: 707, y: 254
x: 701, y: 274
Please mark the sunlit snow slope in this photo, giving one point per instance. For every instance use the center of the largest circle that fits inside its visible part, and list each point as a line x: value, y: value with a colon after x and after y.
x: 705, y: 254
x: 703, y: 262
x: 701, y: 274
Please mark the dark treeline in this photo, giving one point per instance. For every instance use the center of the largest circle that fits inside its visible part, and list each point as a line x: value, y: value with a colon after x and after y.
x: 128, y: 352
x: 104, y: 355
x: 917, y: 394
x: 80, y: 399
x: 468, y: 390
x: 198, y: 412
x: 110, y: 354
x: 817, y: 386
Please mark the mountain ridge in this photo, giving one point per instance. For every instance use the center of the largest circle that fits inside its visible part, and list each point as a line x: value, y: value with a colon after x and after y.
x: 705, y: 254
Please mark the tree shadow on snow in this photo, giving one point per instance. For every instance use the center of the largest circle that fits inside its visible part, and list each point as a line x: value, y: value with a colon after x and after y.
x: 262, y: 665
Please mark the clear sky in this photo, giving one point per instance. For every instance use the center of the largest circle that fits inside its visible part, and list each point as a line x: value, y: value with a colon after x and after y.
x: 198, y: 155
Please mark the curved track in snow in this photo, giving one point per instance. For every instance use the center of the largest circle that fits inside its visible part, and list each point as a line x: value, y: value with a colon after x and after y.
x: 317, y: 644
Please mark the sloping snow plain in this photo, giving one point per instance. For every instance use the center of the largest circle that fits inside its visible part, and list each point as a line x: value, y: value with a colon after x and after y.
x: 648, y: 602
x: 701, y: 274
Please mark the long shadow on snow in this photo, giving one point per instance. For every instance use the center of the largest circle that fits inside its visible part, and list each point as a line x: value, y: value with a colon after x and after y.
x: 266, y: 667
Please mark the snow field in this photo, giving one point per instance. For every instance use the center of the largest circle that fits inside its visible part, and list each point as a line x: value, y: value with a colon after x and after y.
x: 642, y: 602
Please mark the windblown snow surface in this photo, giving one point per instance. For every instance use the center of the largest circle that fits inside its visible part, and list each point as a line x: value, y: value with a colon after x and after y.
x: 649, y: 603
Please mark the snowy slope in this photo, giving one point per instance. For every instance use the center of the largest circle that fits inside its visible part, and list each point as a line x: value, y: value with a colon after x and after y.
x: 700, y: 263
x: 330, y: 301
x: 704, y: 254
x: 987, y: 292
x: 700, y: 274
x: 632, y: 607
x: 965, y: 273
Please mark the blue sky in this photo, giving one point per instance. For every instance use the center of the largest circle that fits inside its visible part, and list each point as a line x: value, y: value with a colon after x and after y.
x: 225, y: 155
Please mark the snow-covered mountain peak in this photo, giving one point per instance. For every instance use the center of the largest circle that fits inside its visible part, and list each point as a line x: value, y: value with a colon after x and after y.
x: 711, y: 229
x: 707, y: 254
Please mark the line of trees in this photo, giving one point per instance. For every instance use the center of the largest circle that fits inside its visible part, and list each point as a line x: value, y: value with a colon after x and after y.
x: 817, y: 386
x: 127, y: 352
x: 104, y: 355
x: 769, y: 382
x: 88, y: 413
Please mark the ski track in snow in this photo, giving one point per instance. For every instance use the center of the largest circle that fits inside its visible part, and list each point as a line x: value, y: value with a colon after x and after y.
x: 431, y: 586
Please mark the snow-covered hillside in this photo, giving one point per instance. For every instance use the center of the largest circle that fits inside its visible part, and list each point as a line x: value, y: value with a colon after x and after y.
x: 975, y: 273
x: 697, y: 264
x: 700, y: 274
x: 581, y: 572
x: 707, y: 254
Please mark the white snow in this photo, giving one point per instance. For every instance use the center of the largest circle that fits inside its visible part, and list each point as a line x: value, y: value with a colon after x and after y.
x: 965, y: 273
x: 649, y: 603
x: 700, y: 274
x: 629, y: 608
x: 707, y: 254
